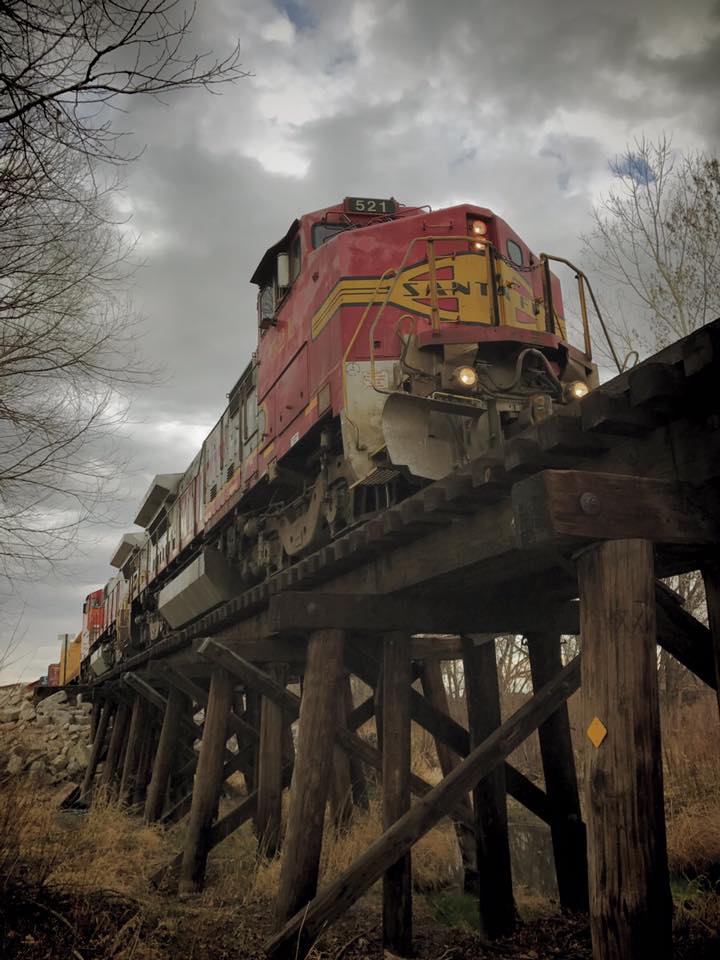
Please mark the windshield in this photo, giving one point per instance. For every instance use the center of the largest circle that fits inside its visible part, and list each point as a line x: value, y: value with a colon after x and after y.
x: 322, y: 232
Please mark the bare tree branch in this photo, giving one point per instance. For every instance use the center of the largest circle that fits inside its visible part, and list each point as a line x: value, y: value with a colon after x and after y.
x: 68, y: 335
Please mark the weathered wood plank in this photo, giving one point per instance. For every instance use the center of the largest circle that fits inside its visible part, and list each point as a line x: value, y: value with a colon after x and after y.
x: 496, y: 903
x: 208, y: 779
x: 688, y: 640
x: 397, y: 881
x: 556, y: 750
x: 293, y: 611
x: 301, y: 929
x: 595, y: 506
x: 308, y: 795
x: 177, y: 706
x: 630, y: 904
x: 268, y: 819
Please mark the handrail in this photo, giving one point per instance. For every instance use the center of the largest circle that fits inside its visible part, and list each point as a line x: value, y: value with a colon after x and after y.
x: 582, y: 283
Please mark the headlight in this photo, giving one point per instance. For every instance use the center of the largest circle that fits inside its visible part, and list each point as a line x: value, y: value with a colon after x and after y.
x: 577, y: 390
x: 478, y: 228
x: 466, y: 376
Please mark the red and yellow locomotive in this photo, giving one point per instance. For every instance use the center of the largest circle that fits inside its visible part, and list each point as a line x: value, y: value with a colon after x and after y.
x: 394, y: 344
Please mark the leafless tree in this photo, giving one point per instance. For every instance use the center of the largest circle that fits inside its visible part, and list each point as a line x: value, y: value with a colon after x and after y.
x: 656, y: 243
x: 68, y: 358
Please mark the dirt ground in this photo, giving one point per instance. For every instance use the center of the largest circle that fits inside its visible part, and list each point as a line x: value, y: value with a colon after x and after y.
x: 49, y: 923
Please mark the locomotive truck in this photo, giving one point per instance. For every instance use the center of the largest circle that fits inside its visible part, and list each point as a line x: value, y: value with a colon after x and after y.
x: 394, y: 344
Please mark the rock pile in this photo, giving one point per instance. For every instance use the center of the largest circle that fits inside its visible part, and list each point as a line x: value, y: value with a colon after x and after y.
x: 49, y: 741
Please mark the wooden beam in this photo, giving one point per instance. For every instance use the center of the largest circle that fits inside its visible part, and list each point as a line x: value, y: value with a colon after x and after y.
x: 556, y: 504
x: 246, y: 731
x: 268, y: 819
x: 711, y: 579
x: 177, y: 705
x: 455, y: 736
x: 251, y: 675
x: 208, y: 780
x: 630, y: 903
x: 397, y: 881
x: 290, y: 612
x: 494, y: 878
x: 688, y: 640
x: 308, y: 796
x: 433, y: 687
x: 290, y: 703
x: 301, y: 930
x: 558, y: 760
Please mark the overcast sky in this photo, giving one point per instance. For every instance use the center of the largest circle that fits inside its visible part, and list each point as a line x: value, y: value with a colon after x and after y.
x: 515, y: 105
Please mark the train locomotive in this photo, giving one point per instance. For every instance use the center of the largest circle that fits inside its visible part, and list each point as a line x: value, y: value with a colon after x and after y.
x: 394, y: 344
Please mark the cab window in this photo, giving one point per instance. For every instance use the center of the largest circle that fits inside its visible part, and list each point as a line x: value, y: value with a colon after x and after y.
x: 322, y: 232
x: 515, y: 253
x: 266, y: 305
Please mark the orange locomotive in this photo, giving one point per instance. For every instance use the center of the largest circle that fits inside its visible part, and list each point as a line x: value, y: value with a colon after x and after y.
x: 394, y: 344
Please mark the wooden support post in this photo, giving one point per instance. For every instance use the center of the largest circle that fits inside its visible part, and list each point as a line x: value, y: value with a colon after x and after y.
x: 308, y: 795
x: 711, y: 578
x: 558, y: 760
x: 133, y: 749
x: 397, y: 882
x: 630, y: 903
x: 434, y: 689
x: 177, y: 705
x: 97, y: 746
x: 300, y: 931
x: 268, y: 820
x: 208, y: 779
x: 117, y: 739
x: 494, y: 877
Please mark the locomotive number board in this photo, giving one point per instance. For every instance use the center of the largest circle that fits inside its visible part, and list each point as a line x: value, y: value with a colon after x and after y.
x: 369, y: 205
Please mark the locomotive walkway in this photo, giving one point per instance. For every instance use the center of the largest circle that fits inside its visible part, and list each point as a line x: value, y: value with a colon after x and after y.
x: 597, y: 502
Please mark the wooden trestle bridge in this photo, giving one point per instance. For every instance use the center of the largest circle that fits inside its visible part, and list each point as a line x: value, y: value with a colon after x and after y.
x: 597, y: 503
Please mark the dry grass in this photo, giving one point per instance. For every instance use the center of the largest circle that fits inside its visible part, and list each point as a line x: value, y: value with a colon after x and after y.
x: 236, y: 873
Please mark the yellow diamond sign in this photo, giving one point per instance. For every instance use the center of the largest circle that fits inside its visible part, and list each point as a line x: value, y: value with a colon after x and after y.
x: 597, y: 731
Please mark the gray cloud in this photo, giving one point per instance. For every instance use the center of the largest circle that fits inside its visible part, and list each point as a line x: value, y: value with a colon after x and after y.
x: 515, y: 105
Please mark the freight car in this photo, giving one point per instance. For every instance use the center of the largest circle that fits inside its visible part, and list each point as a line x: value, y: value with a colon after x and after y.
x: 394, y: 343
